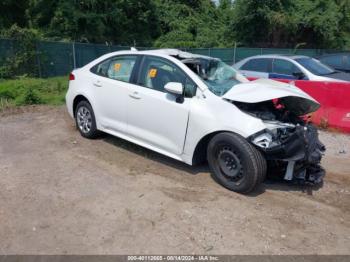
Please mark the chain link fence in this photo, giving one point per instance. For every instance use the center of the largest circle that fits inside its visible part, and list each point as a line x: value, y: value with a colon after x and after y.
x: 49, y: 59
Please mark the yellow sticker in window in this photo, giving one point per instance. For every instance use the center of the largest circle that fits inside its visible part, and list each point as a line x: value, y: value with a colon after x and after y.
x: 152, y: 73
x: 117, y: 67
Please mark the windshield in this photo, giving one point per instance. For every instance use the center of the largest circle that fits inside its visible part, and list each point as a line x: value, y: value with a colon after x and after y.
x: 219, y: 76
x: 315, y: 66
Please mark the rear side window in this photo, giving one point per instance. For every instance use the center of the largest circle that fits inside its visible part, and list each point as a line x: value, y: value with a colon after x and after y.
x: 121, y: 68
x: 101, y: 69
x: 117, y: 68
x: 258, y: 65
x: 284, y: 67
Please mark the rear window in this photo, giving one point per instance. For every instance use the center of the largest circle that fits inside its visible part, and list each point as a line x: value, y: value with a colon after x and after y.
x: 258, y: 65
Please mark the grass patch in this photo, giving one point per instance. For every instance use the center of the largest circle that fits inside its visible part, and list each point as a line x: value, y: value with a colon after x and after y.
x: 32, y: 91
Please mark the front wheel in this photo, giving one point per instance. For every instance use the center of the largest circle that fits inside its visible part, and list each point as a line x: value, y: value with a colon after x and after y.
x: 85, y: 120
x: 235, y: 163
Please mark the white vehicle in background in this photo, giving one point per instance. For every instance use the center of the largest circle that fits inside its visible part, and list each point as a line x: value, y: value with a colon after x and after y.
x: 294, y: 67
x: 195, y: 108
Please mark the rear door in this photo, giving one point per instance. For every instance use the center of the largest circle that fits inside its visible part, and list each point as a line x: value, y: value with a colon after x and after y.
x: 257, y: 68
x: 156, y: 117
x: 112, y: 84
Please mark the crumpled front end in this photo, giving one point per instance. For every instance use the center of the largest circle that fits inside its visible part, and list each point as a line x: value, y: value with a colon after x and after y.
x: 290, y: 144
x: 294, y: 151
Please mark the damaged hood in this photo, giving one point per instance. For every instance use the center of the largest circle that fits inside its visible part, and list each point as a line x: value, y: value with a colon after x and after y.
x: 260, y: 90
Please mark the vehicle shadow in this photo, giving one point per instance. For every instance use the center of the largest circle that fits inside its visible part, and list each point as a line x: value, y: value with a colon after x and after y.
x: 154, y: 156
x: 270, y: 184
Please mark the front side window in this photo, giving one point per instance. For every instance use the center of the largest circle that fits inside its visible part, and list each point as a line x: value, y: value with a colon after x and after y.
x: 157, y: 72
x: 284, y: 67
x: 315, y: 66
x: 258, y: 65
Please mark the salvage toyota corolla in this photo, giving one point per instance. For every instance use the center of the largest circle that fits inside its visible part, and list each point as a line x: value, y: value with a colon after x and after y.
x: 195, y: 108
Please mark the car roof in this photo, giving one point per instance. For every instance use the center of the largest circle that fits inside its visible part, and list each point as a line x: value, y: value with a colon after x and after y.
x: 177, y: 53
x: 290, y: 56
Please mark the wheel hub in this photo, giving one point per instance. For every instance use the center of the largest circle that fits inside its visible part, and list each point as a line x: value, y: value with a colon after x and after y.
x: 84, y: 119
x: 230, y: 164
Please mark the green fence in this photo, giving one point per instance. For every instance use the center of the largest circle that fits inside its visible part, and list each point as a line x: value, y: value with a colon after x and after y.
x: 47, y: 59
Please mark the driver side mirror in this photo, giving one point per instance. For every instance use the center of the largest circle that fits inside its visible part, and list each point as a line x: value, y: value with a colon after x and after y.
x: 299, y: 75
x: 174, y: 88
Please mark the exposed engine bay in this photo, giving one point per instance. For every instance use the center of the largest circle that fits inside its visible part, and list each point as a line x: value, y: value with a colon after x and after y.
x: 289, y: 143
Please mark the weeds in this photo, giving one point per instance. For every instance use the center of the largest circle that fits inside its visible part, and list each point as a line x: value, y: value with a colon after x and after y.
x: 32, y: 91
x: 4, y: 103
x: 31, y: 97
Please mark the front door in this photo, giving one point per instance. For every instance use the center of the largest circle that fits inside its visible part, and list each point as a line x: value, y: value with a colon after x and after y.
x: 154, y: 116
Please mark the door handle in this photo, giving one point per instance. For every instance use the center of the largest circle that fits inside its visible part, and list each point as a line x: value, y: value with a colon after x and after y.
x: 97, y: 83
x: 135, y: 95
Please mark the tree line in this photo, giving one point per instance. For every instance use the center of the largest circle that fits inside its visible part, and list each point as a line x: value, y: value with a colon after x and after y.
x: 181, y: 23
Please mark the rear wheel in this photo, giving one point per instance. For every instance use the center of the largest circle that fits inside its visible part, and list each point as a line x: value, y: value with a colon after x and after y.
x: 85, y: 120
x: 235, y: 163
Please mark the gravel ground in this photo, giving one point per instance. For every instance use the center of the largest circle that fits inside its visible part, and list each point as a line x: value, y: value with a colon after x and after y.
x: 62, y: 194
x: 338, y: 144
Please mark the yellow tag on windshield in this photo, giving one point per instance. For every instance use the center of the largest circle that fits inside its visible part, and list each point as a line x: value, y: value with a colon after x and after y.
x: 117, y: 67
x: 152, y: 73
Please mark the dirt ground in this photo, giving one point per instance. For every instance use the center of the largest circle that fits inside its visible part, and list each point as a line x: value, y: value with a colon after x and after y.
x: 62, y: 194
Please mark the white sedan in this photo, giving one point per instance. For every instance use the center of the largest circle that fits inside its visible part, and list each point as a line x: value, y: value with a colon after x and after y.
x: 294, y: 67
x: 195, y: 108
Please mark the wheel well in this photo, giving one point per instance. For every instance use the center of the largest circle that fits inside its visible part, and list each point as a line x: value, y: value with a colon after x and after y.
x: 77, y: 100
x: 200, y: 152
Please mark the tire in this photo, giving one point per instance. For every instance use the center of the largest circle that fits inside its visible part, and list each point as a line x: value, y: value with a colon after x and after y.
x: 235, y: 163
x: 262, y: 165
x: 85, y: 120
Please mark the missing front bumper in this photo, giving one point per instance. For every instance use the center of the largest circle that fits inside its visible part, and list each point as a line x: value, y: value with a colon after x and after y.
x: 298, y: 158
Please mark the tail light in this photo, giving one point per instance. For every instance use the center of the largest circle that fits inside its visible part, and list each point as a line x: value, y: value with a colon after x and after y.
x: 71, y: 77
